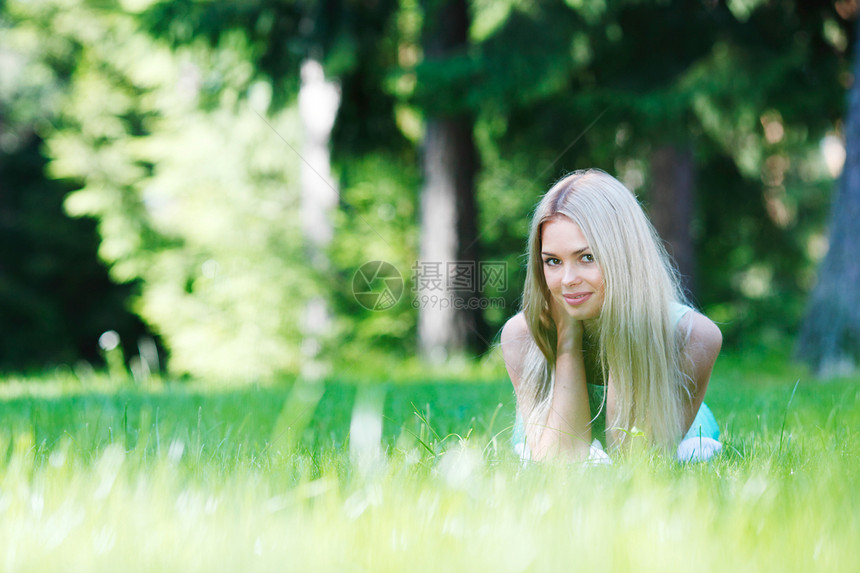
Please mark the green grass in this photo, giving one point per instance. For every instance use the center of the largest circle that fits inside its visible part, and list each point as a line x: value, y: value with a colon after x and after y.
x: 181, y: 477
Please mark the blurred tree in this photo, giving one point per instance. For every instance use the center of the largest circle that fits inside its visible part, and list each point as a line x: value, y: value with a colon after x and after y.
x: 673, y: 174
x: 449, y: 231
x: 197, y: 197
x: 358, y: 46
x: 760, y: 215
x: 373, y: 163
x: 55, y: 295
x: 194, y: 204
x: 318, y: 101
x: 830, y: 337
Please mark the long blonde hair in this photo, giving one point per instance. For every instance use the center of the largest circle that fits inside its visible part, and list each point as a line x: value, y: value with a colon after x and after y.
x: 639, y: 347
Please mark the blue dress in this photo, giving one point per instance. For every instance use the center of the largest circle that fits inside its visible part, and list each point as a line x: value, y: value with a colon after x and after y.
x: 704, y: 425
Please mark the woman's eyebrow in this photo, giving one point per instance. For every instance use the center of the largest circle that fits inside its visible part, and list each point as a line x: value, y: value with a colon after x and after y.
x: 574, y: 253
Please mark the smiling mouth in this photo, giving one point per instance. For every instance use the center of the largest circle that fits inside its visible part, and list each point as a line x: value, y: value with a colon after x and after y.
x: 576, y: 299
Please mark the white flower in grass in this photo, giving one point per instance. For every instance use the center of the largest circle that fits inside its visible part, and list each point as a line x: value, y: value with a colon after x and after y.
x: 175, y: 451
x: 460, y: 466
x: 698, y: 449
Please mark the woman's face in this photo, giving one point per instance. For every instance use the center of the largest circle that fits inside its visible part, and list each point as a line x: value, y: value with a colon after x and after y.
x: 571, y: 272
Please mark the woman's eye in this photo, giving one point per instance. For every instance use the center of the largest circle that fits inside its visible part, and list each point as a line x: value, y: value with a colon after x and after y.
x: 588, y: 258
x: 550, y: 261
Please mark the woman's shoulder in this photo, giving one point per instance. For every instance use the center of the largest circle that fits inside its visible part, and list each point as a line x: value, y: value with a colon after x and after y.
x: 679, y: 310
x: 514, y: 343
x: 515, y: 328
x: 700, y: 331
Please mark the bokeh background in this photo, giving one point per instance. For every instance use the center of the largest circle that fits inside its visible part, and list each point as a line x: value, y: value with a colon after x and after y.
x: 202, y: 180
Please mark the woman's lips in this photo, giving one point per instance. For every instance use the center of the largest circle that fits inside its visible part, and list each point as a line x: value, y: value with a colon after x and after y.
x: 576, y: 298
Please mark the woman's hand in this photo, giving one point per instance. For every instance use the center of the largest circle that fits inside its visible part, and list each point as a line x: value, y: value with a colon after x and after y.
x: 568, y: 329
x: 567, y: 432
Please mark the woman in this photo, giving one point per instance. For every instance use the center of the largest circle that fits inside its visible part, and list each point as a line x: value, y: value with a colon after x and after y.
x: 604, y: 333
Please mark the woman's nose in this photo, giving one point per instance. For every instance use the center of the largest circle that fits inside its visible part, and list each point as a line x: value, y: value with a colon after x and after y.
x: 571, y: 275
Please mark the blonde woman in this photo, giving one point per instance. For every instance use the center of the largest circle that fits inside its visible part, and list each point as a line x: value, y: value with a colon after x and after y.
x: 605, y: 348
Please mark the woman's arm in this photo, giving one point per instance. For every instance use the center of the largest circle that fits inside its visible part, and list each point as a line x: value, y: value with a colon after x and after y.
x: 698, y: 356
x: 567, y: 431
x: 568, y: 426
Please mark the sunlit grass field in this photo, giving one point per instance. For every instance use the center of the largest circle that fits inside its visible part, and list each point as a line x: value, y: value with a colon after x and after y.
x: 105, y: 476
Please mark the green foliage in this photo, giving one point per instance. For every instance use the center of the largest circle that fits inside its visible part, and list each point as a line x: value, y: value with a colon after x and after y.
x: 195, y: 187
x: 376, y: 223
x: 163, y: 120
x: 55, y: 295
x: 200, y: 206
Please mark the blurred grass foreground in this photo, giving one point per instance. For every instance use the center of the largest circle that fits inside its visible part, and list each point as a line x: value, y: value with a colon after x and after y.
x: 413, y: 476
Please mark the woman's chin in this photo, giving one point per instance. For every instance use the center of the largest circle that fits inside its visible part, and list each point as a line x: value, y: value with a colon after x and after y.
x: 583, y: 314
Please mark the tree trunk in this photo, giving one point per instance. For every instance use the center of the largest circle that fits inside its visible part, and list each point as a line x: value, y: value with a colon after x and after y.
x: 830, y: 336
x: 449, y: 243
x: 672, y: 206
x: 318, y: 103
